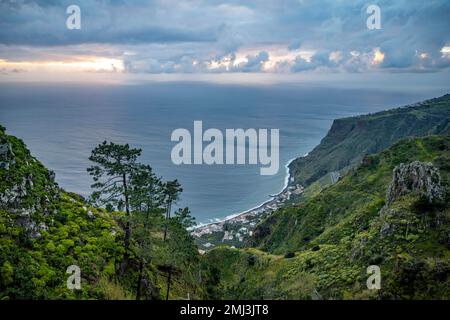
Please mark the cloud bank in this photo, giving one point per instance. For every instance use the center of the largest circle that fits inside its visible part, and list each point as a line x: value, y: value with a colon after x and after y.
x: 215, y: 36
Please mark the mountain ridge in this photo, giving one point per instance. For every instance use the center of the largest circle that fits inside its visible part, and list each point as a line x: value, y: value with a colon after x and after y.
x: 349, y: 139
x: 346, y: 144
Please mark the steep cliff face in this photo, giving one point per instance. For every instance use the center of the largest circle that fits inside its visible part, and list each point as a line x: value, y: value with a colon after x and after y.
x: 391, y: 211
x: 349, y: 139
x: 27, y: 189
x: 44, y: 230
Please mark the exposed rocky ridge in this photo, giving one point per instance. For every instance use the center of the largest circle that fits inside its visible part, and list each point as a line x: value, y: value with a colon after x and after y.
x: 418, y: 178
x: 28, y: 190
x: 6, y: 154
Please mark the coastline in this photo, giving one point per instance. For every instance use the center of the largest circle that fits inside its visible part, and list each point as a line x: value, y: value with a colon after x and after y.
x: 237, y: 217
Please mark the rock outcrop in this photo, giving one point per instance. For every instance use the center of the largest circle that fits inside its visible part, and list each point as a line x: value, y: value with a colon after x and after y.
x: 11, y: 197
x: 6, y: 155
x: 418, y: 178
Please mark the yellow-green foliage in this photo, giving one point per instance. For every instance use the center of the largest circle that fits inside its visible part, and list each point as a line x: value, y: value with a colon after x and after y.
x: 47, y: 230
x: 112, y: 290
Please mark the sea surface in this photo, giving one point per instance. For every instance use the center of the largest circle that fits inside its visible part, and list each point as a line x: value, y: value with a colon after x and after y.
x: 62, y: 123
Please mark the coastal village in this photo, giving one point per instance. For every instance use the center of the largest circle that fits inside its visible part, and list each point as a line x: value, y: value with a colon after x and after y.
x: 236, y: 230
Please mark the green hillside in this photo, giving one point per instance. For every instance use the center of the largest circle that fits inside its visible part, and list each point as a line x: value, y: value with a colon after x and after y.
x: 349, y: 139
x: 322, y: 247
x: 389, y: 208
x: 44, y: 230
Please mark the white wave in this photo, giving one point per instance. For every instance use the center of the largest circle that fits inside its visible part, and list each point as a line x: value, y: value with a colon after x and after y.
x: 234, y: 215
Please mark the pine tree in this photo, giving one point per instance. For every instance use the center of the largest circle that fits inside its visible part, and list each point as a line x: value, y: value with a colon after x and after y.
x: 184, y: 218
x: 146, y: 200
x: 113, y: 168
x: 172, y: 190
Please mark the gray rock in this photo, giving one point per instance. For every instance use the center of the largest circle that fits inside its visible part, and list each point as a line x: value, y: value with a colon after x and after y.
x: 418, y: 178
x: 26, y: 212
x: 32, y: 227
x: 5, y: 148
x: 6, y: 156
x: 386, y: 229
x: 13, y: 195
x: 4, y: 165
x: 358, y: 248
x: 51, y: 175
x: 42, y: 226
x: 335, y: 176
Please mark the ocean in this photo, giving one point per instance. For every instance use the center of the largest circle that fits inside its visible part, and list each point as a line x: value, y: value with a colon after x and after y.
x: 62, y: 123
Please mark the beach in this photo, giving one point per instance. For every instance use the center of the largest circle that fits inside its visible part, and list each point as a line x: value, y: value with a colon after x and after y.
x: 246, y: 221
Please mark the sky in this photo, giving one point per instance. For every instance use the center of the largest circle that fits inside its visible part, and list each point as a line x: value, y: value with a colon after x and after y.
x: 255, y: 39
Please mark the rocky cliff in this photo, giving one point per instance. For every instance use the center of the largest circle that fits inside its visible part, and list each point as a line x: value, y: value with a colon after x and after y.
x: 418, y: 178
x: 349, y: 139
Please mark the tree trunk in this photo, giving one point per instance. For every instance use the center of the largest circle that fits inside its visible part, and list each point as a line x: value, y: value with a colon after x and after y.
x: 165, y: 231
x: 169, y: 205
x: 169, y: 276
x: 139, y: 284
x: 126, y: 255
x: 127, y: 211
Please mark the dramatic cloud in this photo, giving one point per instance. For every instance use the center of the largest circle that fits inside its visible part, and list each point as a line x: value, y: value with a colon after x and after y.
x: 215, y: 36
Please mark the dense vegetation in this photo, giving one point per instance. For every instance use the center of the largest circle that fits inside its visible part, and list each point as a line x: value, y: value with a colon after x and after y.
x: 44, y: 230
x: 388, y: 209
x: 349, y: 139
x: 320, y: 244
x: 321, y: 248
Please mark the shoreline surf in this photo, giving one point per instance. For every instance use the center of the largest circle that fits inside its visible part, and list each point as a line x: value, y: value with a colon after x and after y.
x: 230, y: 217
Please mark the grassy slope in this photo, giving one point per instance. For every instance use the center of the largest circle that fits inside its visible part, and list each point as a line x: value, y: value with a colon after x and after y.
x: 71, y: 232
x: 336, y: 235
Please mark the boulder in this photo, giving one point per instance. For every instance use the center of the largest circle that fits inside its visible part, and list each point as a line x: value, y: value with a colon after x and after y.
x: 418, y: 178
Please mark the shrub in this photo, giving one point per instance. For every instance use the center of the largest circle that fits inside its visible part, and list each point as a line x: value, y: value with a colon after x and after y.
x: 289, y: 255
x: 251, y: 260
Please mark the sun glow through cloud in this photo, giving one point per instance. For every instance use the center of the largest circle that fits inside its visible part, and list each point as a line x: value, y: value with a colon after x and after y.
x: 446, y: 51
x: 76, y: 64
x: 378, y: 57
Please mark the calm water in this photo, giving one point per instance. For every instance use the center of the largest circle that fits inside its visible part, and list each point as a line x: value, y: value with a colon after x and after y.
x: 62, y: 123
